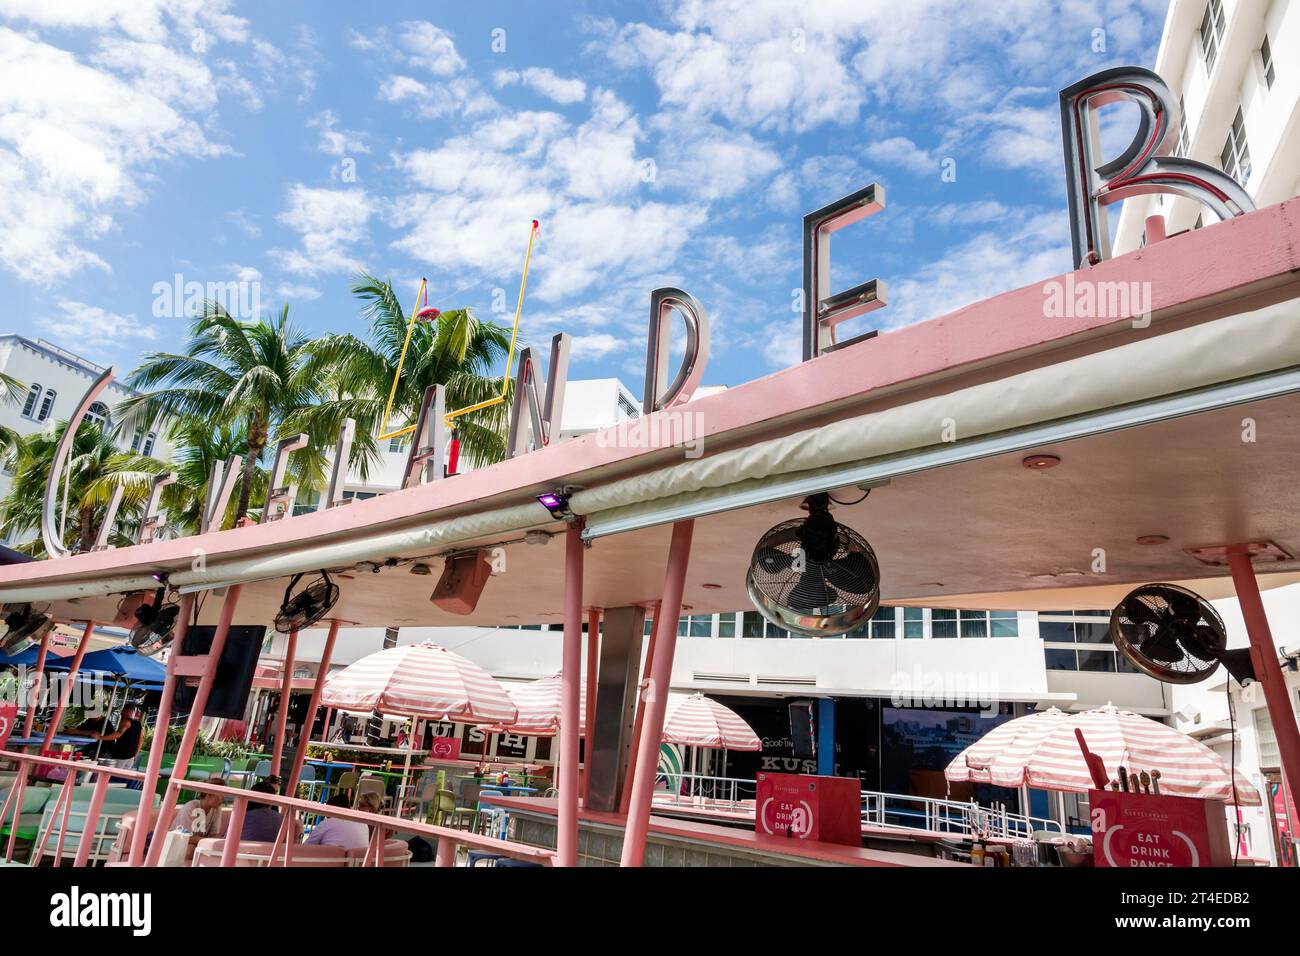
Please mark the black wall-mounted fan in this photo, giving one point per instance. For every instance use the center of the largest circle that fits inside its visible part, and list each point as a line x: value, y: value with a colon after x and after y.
x: 1175, y: 635
x: 813, y: 575
x: 23, y: 628
x: 155, y: 624
x: 303, y: 608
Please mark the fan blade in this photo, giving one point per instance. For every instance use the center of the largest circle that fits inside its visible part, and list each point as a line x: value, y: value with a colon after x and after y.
x: 1144, y: 609
x: 852, y: 574
x: 1204, y: 642
x: 1183, y: 605
x: 775, y: 562
x: 811, y: 592
x: 1162, y: 647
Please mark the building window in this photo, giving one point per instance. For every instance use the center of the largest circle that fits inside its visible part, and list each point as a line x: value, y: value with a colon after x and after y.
x: 1211, y: 32
x: 97, y: 414
x: 943, y: 623
x: 1235, y: 158
x: 1080, y: 641
x: 753, y: 624
x: 47, y: 405
x: 695, y: 625
x: 1266, y: 57
x: 726, y: 625
x: 33, y: 397
x: 1183, y: 144
x: 626, y: 407
x: 148, y: 444
x: 913, y: 622
x: 397, y: 443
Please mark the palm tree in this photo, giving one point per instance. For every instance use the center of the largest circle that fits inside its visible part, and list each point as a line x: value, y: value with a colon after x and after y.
x: 455, y: 350
x: 249, y: 376
x: 11, y: 442
x: 95, y: 467
x: 199, y: 447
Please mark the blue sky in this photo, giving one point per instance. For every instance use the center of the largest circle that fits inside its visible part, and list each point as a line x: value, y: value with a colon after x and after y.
x: 675, y: 143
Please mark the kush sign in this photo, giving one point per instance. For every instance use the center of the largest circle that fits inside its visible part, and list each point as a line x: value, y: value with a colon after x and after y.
x: 1145, y: 830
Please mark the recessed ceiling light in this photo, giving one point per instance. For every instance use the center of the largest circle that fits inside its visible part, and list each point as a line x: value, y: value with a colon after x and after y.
x: 1040, y: 462
x: 1153, y: 539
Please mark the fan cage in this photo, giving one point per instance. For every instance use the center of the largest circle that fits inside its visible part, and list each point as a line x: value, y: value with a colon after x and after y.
x: 322, y: 592
x: 1133, y: 632
x: 822, y: 597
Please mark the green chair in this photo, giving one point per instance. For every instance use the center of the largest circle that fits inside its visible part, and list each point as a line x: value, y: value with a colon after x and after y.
x: 29, y: 815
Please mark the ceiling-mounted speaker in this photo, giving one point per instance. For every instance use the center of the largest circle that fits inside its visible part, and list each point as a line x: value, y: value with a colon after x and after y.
x: 462, y: 582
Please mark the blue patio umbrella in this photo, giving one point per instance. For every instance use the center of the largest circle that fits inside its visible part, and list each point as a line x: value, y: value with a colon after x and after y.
x: 25, y: 658
x: 122, y: 662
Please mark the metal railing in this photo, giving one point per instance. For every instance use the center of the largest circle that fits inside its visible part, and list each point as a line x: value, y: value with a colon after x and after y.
x: 879, y: 809
x: 62, y: 812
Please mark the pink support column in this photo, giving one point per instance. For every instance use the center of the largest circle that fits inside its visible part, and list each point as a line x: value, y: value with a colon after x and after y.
x: 593, y: 675
x: 92, y: 819
x: 66, y: 694
x: 321, y: 672
x: 446, y: 853
x: 160, y: 724
x: 625, y: 800
x: 1267, y: 668
x: 233, y: 829
x: 282, y: 716
x: 566, y: 844
x: 192, y: 725
x: 655, y: 696
x: 16, y: 793
x: 1155, y: 229
x: 34, y: 696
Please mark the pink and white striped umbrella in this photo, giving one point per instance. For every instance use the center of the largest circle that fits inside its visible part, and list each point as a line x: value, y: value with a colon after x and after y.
x: 1040, y: 750
x: 421, y: 680
x: 539, y: 704
x: 699, y: 721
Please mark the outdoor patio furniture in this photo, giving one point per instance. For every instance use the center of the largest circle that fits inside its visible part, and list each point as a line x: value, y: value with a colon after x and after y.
x: 117, y: 802
x: 490, y: 820
x: 396, y: 853
x: 369, y: 783
x: 258, y: 853
x: 347, y: 782
x: 29, y: 815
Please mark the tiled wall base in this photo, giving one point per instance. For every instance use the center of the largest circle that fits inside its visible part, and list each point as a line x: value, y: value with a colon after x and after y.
x: 601, y: 845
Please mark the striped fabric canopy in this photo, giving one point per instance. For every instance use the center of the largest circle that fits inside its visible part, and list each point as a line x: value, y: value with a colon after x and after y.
x: 420, y: 680
x: 1040, y: 750
x: 699, y: 721
x: 539, y: 703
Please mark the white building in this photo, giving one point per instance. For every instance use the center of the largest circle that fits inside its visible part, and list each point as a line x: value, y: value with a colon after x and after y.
x: 1234, y: 68
x: 55, y: 381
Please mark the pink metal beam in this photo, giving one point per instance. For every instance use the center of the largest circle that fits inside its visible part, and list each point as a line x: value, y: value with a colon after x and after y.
x: 34, y: 697
x: 66, y: 694
x: 92, y: 819
x: 566, y: 845
x: 655, y: 695
x: 233, y: 830
x: 593, y: 675
x: 282, y: 716
x: 192, y: 725
x: 1267, y: 668
x: 161, y: 722
x: 322, y: 671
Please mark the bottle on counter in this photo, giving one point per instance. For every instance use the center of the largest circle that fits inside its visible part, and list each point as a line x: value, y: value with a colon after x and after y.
x: 977, y: 853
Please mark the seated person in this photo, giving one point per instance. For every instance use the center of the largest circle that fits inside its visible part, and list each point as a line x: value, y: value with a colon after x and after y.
x: 119, y: 746
x: 331, y: 831
x: 201, y: 816
x: 262, y: 821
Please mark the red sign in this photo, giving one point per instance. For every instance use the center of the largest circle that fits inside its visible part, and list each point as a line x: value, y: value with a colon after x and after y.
x: 804, y: 807
x: 1139, y: 829
x: 8, y: 717
x: 445, y: 748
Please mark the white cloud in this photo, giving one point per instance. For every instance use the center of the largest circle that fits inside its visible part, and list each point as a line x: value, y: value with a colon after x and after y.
x: 330, y: 222
x: 291, y: 291
x: 901, y: 151
x: 594, y: 346
x: 431, y: 48
x: 333, y: 140
x: 706, y: 161
x: 85, y: 326
x: 546, y: 82
x: 138, y: 19
x: 75, y: 139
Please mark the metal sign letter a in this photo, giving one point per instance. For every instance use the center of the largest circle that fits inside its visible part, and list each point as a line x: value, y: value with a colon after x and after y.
x: 1144, y: 167
x: 822, y: 310
x: 542, y: 425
